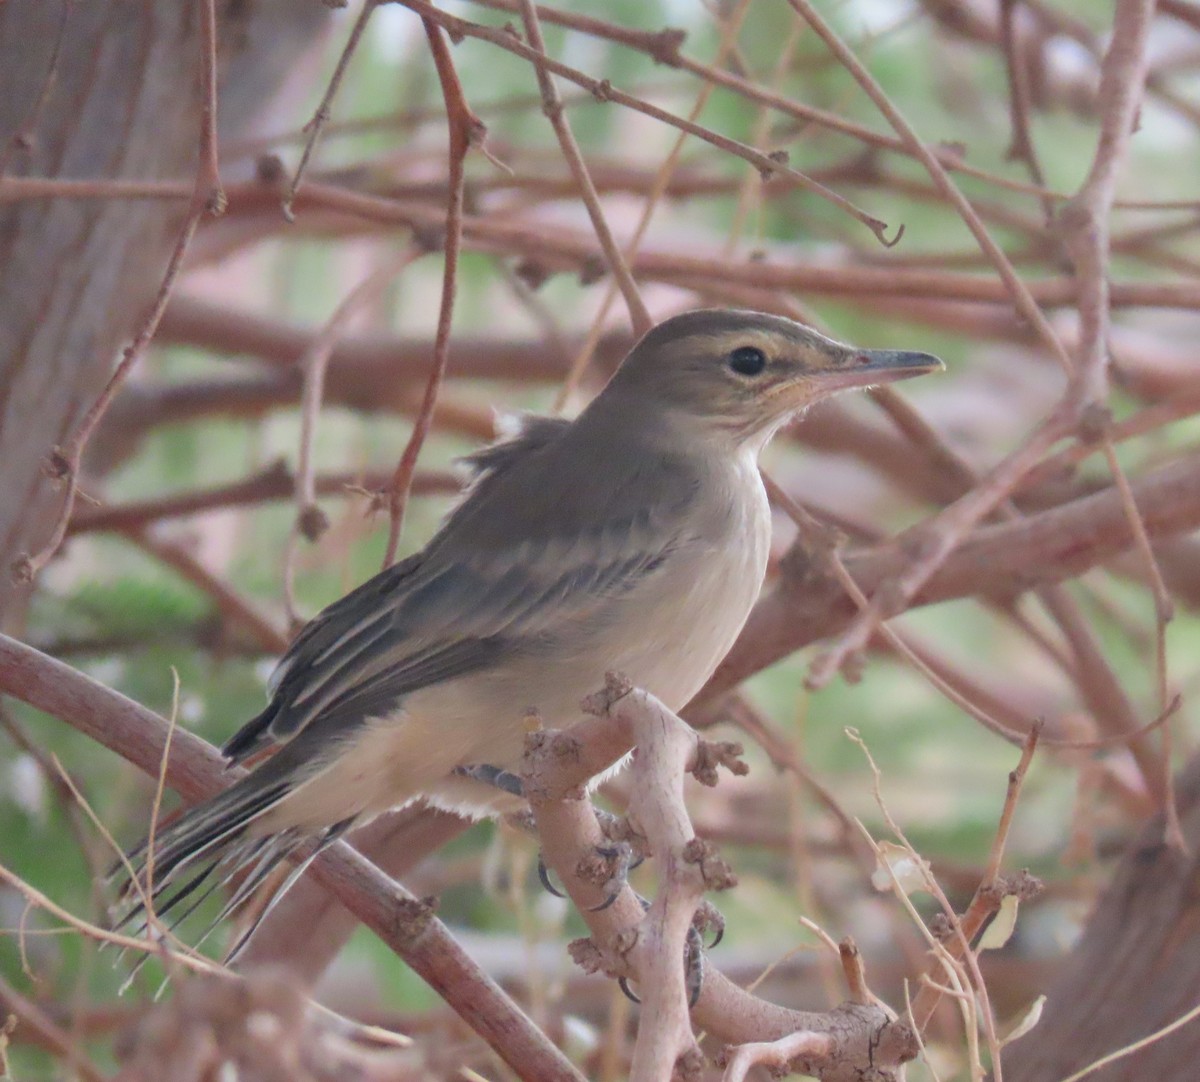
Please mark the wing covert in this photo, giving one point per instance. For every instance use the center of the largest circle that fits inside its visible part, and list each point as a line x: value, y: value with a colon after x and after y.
x: 434, y: 618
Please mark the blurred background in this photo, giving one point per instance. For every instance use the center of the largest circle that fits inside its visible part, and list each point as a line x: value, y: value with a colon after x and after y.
x: 183, y: 571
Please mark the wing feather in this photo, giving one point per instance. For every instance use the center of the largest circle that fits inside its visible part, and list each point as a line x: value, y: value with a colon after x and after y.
x: 454, y: 609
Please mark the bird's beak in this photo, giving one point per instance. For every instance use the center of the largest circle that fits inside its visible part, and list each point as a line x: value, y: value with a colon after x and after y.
x: 868, y: 367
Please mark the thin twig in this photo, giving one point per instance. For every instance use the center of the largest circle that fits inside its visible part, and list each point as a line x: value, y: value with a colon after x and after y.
x: 312, y: 129
x: 310, y: 521
x: 552, y: 106
x: 274, y: 482
x: 464, y: 130
x: 964, y: 956
x: 659, y: 185
x: 1021, y: 147
x: 605, y: 91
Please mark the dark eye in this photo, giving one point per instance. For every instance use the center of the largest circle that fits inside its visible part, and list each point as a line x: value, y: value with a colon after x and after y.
x: 748, y: 360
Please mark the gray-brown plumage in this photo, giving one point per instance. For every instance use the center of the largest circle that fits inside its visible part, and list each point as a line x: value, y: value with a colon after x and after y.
x: 633, y: 538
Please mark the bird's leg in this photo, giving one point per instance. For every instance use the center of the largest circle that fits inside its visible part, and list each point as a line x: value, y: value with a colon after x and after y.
x: 620, y: 858
x: 508, y: 782
x: 705, y: 917
x: 615, y: 861
x: 611, y: 868
x: 497, y: 777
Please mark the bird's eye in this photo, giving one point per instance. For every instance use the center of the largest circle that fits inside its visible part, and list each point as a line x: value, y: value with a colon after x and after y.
x: 748, y: 360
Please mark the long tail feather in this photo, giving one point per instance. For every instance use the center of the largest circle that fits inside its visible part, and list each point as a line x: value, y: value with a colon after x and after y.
x: 215, y: 836
x: 325, y: 840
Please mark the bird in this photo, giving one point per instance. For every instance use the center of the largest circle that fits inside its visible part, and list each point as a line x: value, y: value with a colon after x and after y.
x: 632, y: 538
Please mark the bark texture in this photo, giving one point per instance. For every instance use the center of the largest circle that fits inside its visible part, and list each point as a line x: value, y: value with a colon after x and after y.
x: 76, y: 276
x: 1136, y: 969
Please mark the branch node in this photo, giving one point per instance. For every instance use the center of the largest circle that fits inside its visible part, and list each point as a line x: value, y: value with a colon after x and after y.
x: 608, y: 868
x: 587, y: 955
x: 270, y: 170
x: 1095, y: 422
x: 665, y: 46
x: 602, y: 90
x: 544, y: 749
x: 690, y: 1065
x: 624, y: 941
x: 476, y: 136
x: 532, y: 273
x: 708, y: 918
x: 713, y: 754
x: 412, y: 917
x: 941, y: 927
x: 715, y: 871
x: 429, y: 238
x: 854, y: 971
x: 780, y: 157
x: 56, y: 465
x: 895, y: 240
x: 591, y: 269
x: 616, y: 686
x: 313, y: 522
x: 1025, y: 886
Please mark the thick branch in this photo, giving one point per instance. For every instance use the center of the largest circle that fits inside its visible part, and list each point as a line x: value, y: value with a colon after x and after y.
x: 645, y: 945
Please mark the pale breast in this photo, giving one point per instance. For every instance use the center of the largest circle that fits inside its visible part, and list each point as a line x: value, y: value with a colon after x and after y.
x: 667, y: 634
x: 695, y: 612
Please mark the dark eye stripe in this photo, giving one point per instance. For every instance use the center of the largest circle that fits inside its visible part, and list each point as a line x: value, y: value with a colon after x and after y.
x: 748, y: 360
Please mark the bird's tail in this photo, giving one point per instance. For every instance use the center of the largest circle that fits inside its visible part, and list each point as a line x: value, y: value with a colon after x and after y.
x: 175, y: 872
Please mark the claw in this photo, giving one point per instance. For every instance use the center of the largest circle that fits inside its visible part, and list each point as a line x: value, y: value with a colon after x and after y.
x: 543, y: 874
x: 616, y: 828
x: 706, y: 917
x: 693, y: 965
x: 621, y: 856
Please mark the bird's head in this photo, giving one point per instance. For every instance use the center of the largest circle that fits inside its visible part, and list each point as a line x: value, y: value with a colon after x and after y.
x: 746, y: 373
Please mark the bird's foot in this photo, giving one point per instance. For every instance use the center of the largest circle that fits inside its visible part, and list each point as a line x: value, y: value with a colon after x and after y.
x: 706, y: 917
x: 609, y: 865
x: 626, y: 852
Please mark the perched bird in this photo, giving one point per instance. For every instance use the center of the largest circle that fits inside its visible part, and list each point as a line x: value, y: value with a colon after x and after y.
x: 633, y: 538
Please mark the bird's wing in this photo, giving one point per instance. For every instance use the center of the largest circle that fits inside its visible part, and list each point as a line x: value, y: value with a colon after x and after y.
x: 453, y: 610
